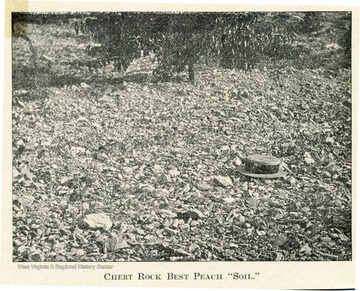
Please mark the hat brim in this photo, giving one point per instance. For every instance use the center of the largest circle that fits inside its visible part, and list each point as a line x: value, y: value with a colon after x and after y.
x: 279, y: 174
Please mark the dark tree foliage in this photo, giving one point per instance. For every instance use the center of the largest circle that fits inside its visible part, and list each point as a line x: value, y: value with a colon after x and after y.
x: 179, y: 40
x: 44, y: 18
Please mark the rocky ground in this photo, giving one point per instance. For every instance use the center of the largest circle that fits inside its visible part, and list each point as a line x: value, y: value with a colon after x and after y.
x: 111, y: 169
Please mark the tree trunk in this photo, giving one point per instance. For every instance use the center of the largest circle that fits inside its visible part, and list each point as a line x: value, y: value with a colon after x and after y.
x: 192, y: 71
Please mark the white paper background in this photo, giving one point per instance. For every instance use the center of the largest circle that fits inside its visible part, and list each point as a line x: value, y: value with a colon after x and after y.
x: 303, y: 2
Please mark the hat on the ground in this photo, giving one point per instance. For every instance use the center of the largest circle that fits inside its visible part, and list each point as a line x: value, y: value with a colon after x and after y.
x: 262, y: 166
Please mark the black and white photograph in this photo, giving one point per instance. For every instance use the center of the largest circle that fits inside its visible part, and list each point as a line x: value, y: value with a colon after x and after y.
x: 176, y: 136
x: 181, y: 136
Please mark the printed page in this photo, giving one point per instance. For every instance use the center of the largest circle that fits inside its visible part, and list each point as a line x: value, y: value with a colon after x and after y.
x: 179, y: 145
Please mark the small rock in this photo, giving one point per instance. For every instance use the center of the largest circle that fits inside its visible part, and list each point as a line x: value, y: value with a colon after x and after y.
x: 156, y: 224
x: 101, y: 156
x: 325, y: 239
x: 44, y: 197
x: 279, y: 215
x: 225, y: 148
x: 35, y: 226
x: 163, y: 179
x: 181, y: 221
x: 65, y: 180
x: 292, y: 180
x: 245, y: 186
x: 23, y: 251
x: 196, y: 214
x: 194, y: 223
x: 157, y: 169
x: 296, y: 228
x: 185, y: 226
x: 193, y: 214
x: 18, y: 243
x: 237, y: 162
x: 156, y: 204
x: 149, y: 227
x: 233, y: 147
x: 329, y: 140
x: 229, y: 200
x: 79, y: 253
x: 98, y: 221
x: 150, y: 237
x: 174, y: 172
x: 81, y: 150
x: 343, y: 237
x: 223, y: 181
x: 327, y: 174
x: 171, y: 231
x: 52, y: 254
x: 334, y: 235
x: 84, y: 85
x: 308, y: 159
x: 162, y: 193
x: 36, y: 256
x: 183, y: 252
x: 175, y: 223
x: 245, y: 93
x: 115, y: 244
x: 147, y: 187
x: 167, y: 213
x: 193, y: 248
x: 175, y: 259
x: 186, y: 188
x: 159, y: 233
x: 99, y: 204
x: 203, y: 186
x: 85, y: 206
x: 347, y: 103
x: 305, y: 249
x: 80, y: 237
x: 15, y: 172
x: 279, y: 257
x: 228, y: 252
x: 59, y: 246
x: 26, y: 200
x: 260, y: 232
x: 241, y: 219
x: 252, y: 202
x: 219, y: 219
x: 128, y: 171
x: 280, y: 240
